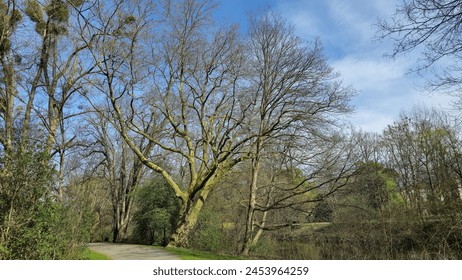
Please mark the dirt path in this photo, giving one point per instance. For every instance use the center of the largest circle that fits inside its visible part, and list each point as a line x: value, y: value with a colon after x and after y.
x: 131, y: 252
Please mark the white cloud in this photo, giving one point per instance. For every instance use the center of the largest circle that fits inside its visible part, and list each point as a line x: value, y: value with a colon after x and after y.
x: 308, y: 18
x: 368, y: 73
x: 370, y: 120
x: 344, y: 26
x: 347, y: 30
x: 385, y: 91
x: 351, y: 20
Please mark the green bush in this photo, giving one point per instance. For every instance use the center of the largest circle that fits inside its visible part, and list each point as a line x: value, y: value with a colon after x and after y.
x: 155, y: 217
x: 47, y: 236
x: 208, y: 235
x: 33, y: 223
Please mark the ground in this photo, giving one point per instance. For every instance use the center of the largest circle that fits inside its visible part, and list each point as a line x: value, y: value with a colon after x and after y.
x: 131, y: 252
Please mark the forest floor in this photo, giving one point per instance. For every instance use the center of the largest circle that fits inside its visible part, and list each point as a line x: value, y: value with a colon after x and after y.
x: 131, y: 252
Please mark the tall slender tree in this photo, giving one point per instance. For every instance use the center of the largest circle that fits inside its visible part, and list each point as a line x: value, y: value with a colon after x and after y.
x: 295, y: 95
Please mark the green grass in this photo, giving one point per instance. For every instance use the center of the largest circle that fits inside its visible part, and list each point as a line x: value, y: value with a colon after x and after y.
x: 92, y: 255
x: 189, y: 254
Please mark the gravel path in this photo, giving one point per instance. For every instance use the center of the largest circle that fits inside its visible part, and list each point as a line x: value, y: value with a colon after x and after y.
x: 131, y: 252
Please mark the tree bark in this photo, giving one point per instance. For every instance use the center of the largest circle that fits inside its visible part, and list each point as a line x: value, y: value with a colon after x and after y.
x: 188, y: 216
x: 249, y: 226
x: 187, y: 220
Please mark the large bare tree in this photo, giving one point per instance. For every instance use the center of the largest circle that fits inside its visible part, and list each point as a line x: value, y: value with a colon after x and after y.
x: 188, y: 107
x: 295, y: 97
x: 202, y: 98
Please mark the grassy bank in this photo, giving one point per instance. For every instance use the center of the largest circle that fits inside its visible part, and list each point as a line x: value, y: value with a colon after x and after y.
x: 189, y: 254
x: 92, y: 255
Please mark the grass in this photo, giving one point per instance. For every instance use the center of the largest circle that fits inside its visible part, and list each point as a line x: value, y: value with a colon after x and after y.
x: 92, y: 255
x: 189, y: 254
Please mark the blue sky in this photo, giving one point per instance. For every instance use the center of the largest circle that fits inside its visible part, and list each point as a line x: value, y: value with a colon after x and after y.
x: 346, y: 29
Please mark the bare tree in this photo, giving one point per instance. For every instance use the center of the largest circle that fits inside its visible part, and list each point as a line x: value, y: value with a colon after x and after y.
x: 295, y: 96
x: 369, y: 145
x: 422, y: 148
x: 434, y: 28
x: 189, y: 107
x: 120, y: 169
x: 39, y: 70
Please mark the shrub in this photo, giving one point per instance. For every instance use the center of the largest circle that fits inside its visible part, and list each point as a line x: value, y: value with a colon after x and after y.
x: 208, y: 235
x: 392, y: 239
x: 155, y: 217
x: 33, y: 224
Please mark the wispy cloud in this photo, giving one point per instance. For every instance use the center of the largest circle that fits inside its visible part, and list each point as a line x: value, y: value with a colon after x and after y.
x: 347, y: 31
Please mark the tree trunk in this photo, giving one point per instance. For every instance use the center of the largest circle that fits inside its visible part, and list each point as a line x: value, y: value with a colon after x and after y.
x: 252, y: 203
x: 260, y: 230
x: 120, y: 225
x: 115, y: 233
x: 188, y: 216
x: 187, y: 220
x: 119, y: 233
x: 7, y: 105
